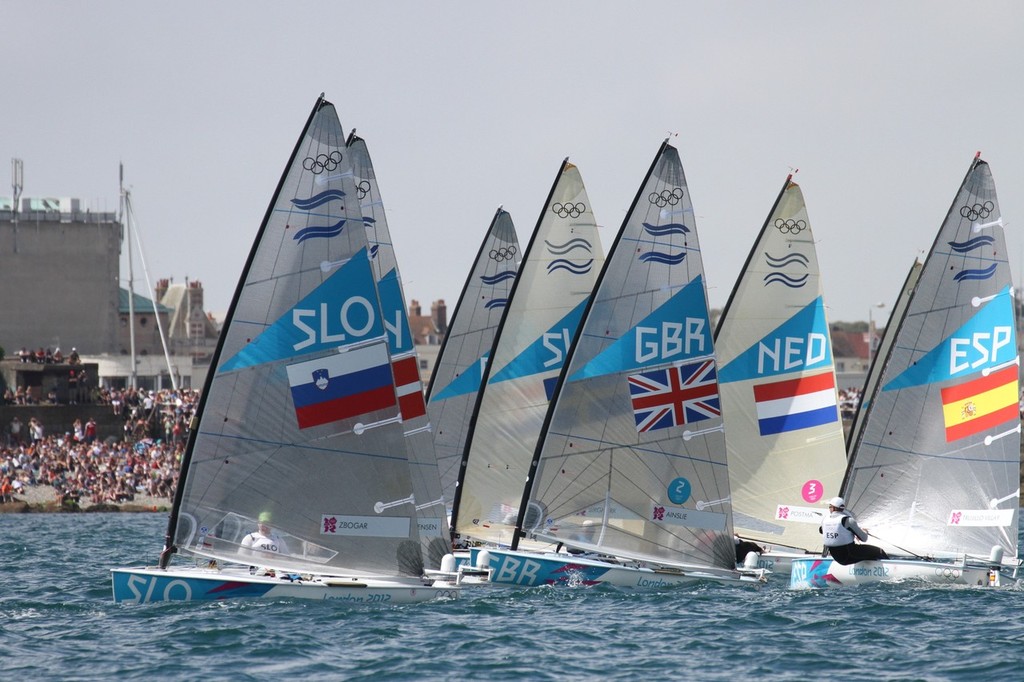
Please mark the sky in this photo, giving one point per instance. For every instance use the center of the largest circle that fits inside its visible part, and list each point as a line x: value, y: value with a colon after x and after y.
x: 466, y: 106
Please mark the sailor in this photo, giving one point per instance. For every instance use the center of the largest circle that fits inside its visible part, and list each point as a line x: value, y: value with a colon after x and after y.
x: 839, y: 529
x: 264, y: 539
x: 745, y: 547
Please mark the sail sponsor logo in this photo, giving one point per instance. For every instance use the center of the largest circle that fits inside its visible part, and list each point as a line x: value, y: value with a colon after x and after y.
x: 800, y: 343
x: 691, y: 518
x: 467, y: 381
x: 791, y: 353
x: 392, y: 307
x: 341, y: 386
x: 677, y: 330
x: 671, y: 340
x: 354, y: 318
x: 1000, y: 518
x: 796, y: 404
x: 365, y: 526
x: 547, y: 352
x: 980, y: 404
x: 984, y: 342
x: 980, y: 349
x: 674, y: 396
x: 793, y: 514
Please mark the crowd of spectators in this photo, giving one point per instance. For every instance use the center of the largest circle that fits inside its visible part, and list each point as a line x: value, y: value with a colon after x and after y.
x: 80, y: 466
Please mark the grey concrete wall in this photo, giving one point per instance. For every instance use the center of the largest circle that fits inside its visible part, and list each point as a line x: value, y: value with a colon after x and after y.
x: 58, y: 283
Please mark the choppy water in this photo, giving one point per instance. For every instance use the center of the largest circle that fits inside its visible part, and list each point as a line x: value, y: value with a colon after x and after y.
x: 58, y: 621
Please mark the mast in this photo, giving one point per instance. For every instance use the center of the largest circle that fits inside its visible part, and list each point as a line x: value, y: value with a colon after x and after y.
x: 752, y: 254
x: 17, y: 183
x: 125, y: 215
x: 179, y: 493
x: 609, y: 258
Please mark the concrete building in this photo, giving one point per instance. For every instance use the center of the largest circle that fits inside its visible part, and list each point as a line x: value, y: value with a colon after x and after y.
x: 59, y: 276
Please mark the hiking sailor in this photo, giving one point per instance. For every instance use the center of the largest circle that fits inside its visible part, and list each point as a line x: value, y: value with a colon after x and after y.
x: 839, y: 529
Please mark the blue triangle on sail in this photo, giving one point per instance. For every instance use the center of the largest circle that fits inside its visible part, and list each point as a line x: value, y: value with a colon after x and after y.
x: 800, y: 343
x: 393, y: 309
x: 986, y: 340
x: 466, y: 382
x: 546, y: 353
x: 341, y: 311
x: 677, y: 330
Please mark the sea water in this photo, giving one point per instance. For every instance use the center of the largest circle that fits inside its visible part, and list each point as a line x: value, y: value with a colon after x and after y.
x: 58, y: 621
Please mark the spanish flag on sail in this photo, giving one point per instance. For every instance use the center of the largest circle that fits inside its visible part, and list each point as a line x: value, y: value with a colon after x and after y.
x: 980, y: 404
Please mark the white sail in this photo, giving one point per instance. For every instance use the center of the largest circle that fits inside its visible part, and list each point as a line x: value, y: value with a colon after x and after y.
x: 936, y: 468
x: 632, y: 462
x: 777, y: 379
x: 300, y: 420
x: 555, y: 280
x: 432, y: 512
x: 462, y: 361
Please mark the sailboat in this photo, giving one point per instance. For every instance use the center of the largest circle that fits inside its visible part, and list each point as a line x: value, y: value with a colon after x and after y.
x: 784, y: 435
x: 431, y: 511
x: 296, y: 480
x: 934, y: 475
x: 630, y: 471
x: 462, y: 360
x: 539, y: 321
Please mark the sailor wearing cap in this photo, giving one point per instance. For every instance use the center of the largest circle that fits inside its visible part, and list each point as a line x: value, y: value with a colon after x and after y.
x: 839, y: 530
x: 264, y: 539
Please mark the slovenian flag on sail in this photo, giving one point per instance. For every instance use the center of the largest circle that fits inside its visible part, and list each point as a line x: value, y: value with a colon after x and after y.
x: 409, y: 388
x: 979, y: 404
x: 341, y: 386
x: 796, y: 403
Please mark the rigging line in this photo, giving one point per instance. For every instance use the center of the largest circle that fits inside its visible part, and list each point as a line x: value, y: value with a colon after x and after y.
x: 902, y: 549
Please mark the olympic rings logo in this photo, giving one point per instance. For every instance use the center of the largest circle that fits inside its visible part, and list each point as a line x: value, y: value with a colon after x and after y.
x: 666, y: 198
x: 322, y: 162
x: 502, y: 254
x: 977, y: 210
x: 363, y: 188
x: 790, y: 226
x: 568, y: 210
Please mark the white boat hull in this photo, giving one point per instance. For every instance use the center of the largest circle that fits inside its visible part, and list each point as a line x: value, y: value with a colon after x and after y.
x: 144, y: 585
x: 816, y: 573
x: 528, y: 569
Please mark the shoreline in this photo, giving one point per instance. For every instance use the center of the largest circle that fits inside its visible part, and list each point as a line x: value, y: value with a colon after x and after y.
x: 42, y: 499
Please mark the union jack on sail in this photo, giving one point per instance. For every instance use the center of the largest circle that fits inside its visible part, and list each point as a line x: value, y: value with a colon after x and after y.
x: 675, y: 396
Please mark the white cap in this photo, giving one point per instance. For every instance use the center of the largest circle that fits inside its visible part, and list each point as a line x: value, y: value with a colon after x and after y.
x: 837, y: 502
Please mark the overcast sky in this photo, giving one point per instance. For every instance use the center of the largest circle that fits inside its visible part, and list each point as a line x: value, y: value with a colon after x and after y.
x: 468, y: 105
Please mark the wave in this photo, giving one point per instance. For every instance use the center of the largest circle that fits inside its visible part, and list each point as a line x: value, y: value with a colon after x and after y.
x: 971, y: 244
x: 788, y: 259
x: 788, y: 280
x: 561, y: 249
x: 319, y: 231
x: 318, y: 199
x: 369, y: 220
x: 985, y: 273
x: 373, y: 251
x: 667, y: 228
x: 575, y: 268
x: 666, y: 258
x: 496, y: 303
x: 500, y: 277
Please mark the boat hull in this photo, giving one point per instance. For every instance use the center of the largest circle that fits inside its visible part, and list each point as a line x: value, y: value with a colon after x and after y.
x: 145, y: 585
x: 528, y: 569
x: 817, y: 573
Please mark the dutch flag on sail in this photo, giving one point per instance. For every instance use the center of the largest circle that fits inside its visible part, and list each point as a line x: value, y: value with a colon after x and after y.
x: 341, y: 386
x: 796, y: 404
